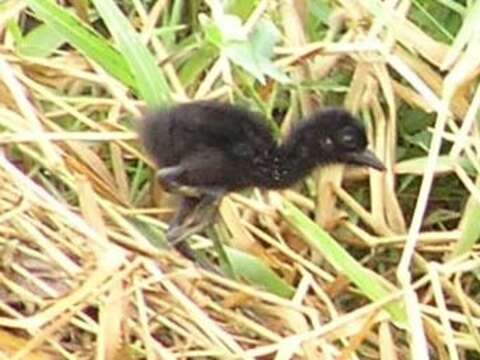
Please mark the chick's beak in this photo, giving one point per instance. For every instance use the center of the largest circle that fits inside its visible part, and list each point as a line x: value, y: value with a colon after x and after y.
x: 366, y: 158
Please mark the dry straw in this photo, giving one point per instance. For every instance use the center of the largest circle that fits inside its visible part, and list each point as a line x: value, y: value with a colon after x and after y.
x: 82, y: 270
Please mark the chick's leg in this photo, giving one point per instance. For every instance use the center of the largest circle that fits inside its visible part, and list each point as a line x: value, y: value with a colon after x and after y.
x: 197, y: 173
x: 179, y: 223
x: 169, y: 178
x: 195, y: 214
x: 199, y: 203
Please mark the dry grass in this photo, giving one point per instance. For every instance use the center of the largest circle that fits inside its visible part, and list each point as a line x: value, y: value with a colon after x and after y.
x: 80, y: 277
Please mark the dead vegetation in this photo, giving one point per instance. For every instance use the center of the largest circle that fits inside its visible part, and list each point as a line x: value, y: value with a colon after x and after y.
x: 84, y: 271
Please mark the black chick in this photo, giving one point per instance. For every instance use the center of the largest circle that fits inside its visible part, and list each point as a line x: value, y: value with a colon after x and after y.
x: 205, y: 149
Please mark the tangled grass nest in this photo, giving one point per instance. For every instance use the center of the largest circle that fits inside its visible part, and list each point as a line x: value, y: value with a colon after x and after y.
x: 85, y: 272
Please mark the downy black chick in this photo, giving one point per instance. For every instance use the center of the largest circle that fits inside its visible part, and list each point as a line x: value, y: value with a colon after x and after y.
x: 205, y: 149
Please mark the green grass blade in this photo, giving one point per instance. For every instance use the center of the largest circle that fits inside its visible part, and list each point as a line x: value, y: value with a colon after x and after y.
x: 40, y: 42
x: 444, y: 165
x: 84, y: 39
x: 150, y: 80
x: 193, y: 67
x: 256, y: 272
x: 469, y: 27
x: 241, y: 8
x: 469, y: 226
x: 370, y: 284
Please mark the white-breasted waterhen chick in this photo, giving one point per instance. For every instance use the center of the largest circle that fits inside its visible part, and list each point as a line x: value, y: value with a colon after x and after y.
x: 205, y: 149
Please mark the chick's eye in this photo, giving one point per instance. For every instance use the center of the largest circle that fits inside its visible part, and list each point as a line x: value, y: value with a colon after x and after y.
x: 349, y: 140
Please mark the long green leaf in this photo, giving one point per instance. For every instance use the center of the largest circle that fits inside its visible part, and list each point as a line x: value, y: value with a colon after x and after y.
x: 444, y: 165
x: 256, y: 272
x: 150, y: 80
x: 372, y: 285
x: 84, y: 39
x: 469, y: 226
x: 40, y: 42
